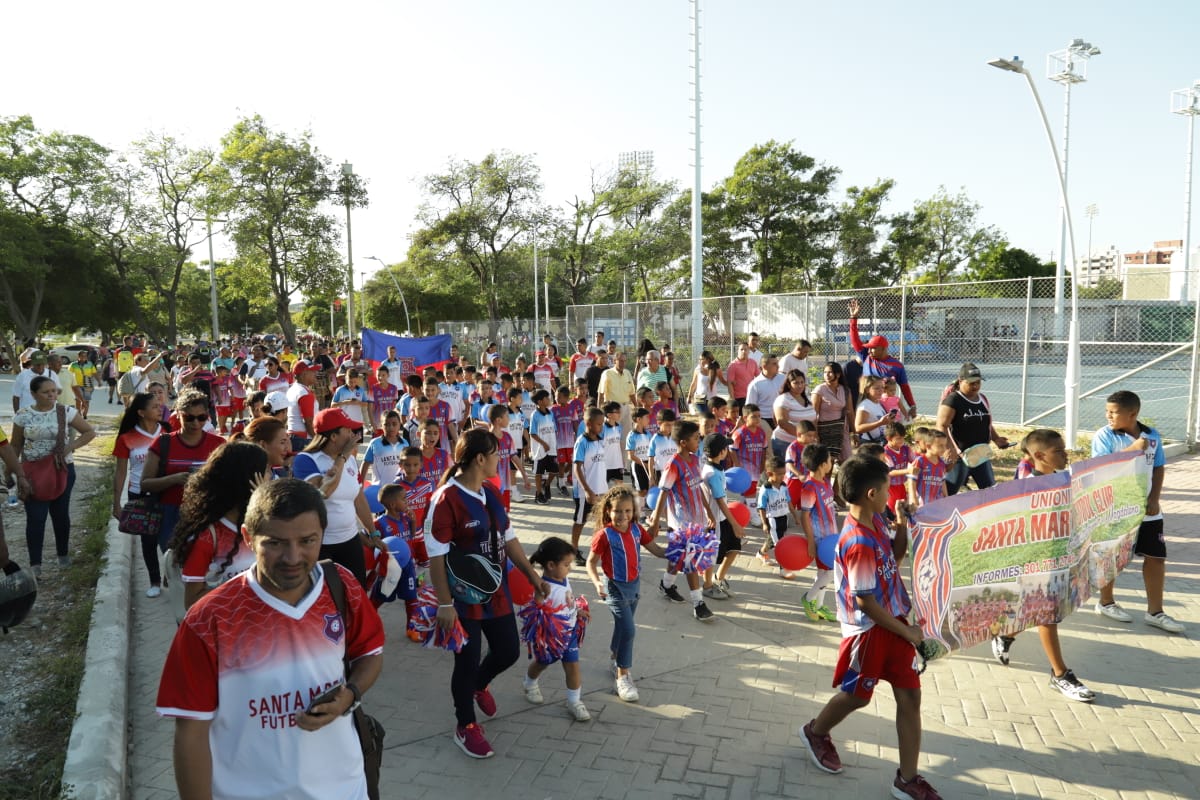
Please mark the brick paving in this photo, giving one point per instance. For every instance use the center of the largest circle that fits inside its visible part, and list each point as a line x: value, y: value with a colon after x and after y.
x: 721, y: 703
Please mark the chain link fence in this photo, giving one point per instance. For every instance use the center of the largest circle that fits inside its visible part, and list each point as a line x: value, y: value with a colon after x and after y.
x: 513, y: 337
x: 1009, y: 328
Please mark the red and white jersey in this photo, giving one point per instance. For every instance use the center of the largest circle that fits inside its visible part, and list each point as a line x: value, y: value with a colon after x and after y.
x: 133, y: 445
x: 543, y: 375
x: 220, y: 542
x: 250, y: 662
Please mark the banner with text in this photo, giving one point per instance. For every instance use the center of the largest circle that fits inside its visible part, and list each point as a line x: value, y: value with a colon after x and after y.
x: 1024, y: 553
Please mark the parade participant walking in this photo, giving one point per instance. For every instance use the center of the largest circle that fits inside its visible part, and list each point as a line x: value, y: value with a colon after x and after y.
x: 740, y: 372
x: 140, y: 426
x: 876, y: 361
x: 792, y: 406
x: 466, y: 517
x: 835, y: 413
x: 252, y: 656
x: 764, y: 389
x: 653, y: 373
x: 966, y: 416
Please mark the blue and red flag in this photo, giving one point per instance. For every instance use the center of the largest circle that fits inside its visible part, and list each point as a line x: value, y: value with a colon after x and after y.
x: 414, y: 353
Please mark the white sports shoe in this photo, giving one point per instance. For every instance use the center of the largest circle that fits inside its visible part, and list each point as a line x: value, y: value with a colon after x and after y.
x: 1163, y: 622
x: 1113, y: 612
x: 534, y: 694
x: 579, y: 711
x: 153, y: 591
x: 626, y: 690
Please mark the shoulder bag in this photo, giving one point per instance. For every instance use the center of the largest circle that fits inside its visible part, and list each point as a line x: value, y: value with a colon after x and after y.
x: 142, y: 513
x: 474, y: 577
x: 48, y: 476
x: 370, y: 732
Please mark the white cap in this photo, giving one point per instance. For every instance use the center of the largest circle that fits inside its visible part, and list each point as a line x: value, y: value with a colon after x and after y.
x: 278, y: 401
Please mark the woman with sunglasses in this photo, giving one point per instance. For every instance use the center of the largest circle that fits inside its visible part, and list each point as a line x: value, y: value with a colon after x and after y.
x: 186, y: 451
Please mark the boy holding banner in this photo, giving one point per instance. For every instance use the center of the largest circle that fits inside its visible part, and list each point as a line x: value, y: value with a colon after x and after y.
x: 877, y: 640
x: 1125, y: 432
x: 1047, y: 450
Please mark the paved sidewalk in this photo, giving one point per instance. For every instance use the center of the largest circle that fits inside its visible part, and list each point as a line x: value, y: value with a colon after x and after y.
x: 721, y: 703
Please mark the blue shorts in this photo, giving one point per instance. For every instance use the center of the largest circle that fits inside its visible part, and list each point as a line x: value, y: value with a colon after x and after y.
x: 571, y: 654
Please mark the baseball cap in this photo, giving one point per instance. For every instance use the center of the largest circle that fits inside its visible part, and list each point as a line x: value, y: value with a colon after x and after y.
x: 330, y: 419
x: 877, y: 341
x: 969, y: 372
x: 301, y: 366
x: 37, y: 357
x: 540, y: 353
x: 715, y: 444
x: 278, y: 401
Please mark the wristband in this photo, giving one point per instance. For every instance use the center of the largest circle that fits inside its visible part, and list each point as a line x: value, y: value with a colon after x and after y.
x: 447, y: 605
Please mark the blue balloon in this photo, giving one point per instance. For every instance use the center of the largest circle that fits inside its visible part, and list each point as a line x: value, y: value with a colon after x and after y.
x: 737, y: 480
x: 827, y: 550
x: 652, y: 497
x: 372, y: 494
x: 399, y: 549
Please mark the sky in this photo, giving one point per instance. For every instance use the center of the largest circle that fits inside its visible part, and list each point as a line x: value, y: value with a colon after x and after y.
x: 878, y: 89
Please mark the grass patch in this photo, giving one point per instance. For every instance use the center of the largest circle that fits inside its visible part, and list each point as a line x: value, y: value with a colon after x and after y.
x: 50, y: 710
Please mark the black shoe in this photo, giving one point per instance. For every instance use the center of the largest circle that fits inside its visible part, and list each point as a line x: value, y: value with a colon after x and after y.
x: 542, y: 497
x: 565, y: 491
x: 701, y: 612
x: 580, y: 561
x: 670, y: 592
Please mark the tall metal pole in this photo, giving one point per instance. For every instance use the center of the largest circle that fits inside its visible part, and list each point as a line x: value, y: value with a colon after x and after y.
x: 363, y: 299
x: 1060, y: 267
x: 537, y: 332
x: 399, y: 291
x: 212, y: 283
x: 1189, y: 105
x: 697, y: 224
x: 1092, y: 210
x: 1071, y: 379
x: 347, y: 173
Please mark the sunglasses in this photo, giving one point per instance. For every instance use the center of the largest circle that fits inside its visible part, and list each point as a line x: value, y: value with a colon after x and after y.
x: 194, y: 417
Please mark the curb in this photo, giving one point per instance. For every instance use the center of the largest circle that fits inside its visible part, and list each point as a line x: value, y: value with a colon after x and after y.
x: 97, y: 754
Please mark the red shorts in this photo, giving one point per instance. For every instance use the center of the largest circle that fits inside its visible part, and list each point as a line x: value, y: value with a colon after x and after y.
x: 896, y: 493
x: 223, y: 412
x: 875, y: 655
x: 506, y: 497
x: 236, y: 404
x: 565, y: 455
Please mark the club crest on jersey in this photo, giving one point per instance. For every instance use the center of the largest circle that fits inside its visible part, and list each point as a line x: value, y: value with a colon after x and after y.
x: 334, y: 629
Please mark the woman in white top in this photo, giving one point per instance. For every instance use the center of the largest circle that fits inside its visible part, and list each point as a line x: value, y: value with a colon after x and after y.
x: 697, y: 393
x: 329, y: 464
x: 139, y: 427
x: 834, y: 412
x: 35, y: 436
x: 871, y: 417
x: 791, y: 406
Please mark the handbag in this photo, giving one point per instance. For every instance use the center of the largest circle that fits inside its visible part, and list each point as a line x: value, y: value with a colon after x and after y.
x: 474, y: 577
x: 142, y: 514
x: 48, y: 476
x: 370, y: 731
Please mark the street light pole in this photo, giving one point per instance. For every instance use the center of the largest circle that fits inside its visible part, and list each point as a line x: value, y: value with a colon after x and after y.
x: 387, y: 269
x: 212, y: 282
x: 362, y: 300
x: 536, y: 304
x: 1186, y: 102
x: 347, y: 174
x: 1071, y: 380
x: 697, y: 196
x: 1091, y: 211
x: 1061, y: 68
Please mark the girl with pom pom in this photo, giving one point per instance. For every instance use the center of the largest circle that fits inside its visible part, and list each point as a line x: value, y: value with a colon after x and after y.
x: 614, y: 550
x: 558, y: 640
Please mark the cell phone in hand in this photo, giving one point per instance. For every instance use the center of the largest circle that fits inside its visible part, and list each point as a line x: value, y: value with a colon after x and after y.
x: 326, y: 696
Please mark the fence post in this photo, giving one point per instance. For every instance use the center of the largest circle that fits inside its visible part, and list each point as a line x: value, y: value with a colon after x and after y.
x: 1189, y: 435
x: 903, y: 318
x: 1025, y: 344
x: 732, y: 329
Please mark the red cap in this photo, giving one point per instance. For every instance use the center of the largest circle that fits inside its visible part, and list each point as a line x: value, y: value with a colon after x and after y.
x: 330, y: 419
x: 301, y: 366
x: 877, y: 341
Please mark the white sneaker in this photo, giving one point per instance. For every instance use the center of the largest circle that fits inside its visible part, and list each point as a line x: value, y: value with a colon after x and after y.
x: 153, y: 591
x: 534, y: 694
x: 1113, y: 612
x: 517, y: 495
x: 579, y: 711
x: 626, y: 690
x: 612, y: 666
x: 1163, y: 622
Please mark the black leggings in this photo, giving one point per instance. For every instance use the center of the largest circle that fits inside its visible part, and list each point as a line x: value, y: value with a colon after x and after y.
x: 150, y: 556
x: 350, y: 555
x: 504, y: 648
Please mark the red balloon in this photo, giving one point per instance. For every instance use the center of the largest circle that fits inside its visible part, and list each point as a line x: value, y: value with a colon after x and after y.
x: 740, y: 513
x: 520, y: 587
x: 794, y: 487
x: 792, y: 553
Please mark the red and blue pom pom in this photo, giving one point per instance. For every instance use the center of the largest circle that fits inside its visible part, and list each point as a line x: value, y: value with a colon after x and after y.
x: 424, y: 621
x: 691, y: 549
x: 582, y: 617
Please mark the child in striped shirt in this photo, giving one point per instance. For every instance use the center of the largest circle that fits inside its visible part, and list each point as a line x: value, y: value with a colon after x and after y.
x: 818, y: 519
x: 927, y: 472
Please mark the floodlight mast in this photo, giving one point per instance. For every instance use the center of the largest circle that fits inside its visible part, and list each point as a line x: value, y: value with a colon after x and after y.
x: 1071, y: 381
x: 1186, y: 102
x: 1068, y: 67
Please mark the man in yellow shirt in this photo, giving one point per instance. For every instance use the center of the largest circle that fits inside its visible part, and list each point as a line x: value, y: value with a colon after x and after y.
x: 85, y: 377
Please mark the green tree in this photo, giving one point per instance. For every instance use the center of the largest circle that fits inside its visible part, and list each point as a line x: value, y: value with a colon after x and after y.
x: 1105, y: 289
x: 999, y: 262
x: 474, y: 215
x: 950, y: 234
x: 272, y: 187
x: 778, y: 201
x: 638, y: 251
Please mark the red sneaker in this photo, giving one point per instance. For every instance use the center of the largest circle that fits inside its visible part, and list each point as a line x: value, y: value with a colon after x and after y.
x: 916, y: 789
x: 471, y: 741
x: 822, y: 751
x: 486, y: 703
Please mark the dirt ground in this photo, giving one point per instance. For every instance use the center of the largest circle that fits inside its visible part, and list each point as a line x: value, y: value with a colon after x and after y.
x: 37, y: 637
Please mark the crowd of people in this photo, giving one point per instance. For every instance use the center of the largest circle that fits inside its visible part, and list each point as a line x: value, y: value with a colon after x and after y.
x: 253, y: 453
